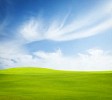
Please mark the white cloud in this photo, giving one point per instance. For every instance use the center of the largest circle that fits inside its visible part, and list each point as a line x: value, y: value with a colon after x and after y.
x: 92, y: 59
x: 31, y: 30
x: 94, y: 22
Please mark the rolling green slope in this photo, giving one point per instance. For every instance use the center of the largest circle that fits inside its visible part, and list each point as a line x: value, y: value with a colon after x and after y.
x: 47, y: 84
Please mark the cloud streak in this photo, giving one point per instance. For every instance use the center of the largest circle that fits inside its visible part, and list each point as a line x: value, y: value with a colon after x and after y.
x: 95, y: 22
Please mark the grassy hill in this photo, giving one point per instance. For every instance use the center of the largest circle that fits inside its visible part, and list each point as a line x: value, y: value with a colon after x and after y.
x: 47, y: 84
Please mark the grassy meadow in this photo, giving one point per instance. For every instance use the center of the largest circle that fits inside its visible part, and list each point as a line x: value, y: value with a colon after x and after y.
x: 48, y: 84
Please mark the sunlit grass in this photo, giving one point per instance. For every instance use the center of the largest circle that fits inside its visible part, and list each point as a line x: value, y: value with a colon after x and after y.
x: 48, y: 84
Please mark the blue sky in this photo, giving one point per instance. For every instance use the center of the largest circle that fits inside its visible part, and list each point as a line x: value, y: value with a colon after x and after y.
x: 78, y: 32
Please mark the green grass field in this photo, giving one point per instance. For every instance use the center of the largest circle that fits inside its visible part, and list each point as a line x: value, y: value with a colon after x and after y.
x: 47, y: 84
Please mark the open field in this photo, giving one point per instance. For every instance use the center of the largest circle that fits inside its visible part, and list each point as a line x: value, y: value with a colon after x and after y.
x: 47, y: 84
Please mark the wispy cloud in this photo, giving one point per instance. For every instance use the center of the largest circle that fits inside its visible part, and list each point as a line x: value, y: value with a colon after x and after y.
x: 31, y: 30
x: 95, y: 22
